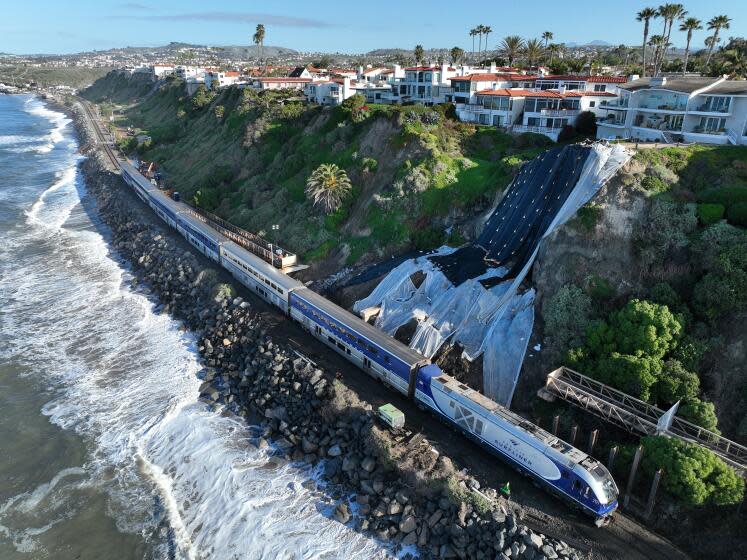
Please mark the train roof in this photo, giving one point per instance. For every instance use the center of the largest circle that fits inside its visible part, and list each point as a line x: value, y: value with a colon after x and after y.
x: 492, y: 407
x: 135, y: 174
x: 381, y: 339
x: 261, y: 266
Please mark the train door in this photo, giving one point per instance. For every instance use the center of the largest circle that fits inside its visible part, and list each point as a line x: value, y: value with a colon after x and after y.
x: 367, y: 363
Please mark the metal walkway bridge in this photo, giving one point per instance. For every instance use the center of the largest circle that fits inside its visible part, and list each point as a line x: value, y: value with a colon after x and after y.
x: 635, y: 415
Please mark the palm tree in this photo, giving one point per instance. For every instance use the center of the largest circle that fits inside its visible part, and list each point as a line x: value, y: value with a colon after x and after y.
x: 487, y: 30
x: 670, y: 13
x: 533, y: 51
x: 716, y: 24
x: 511, y: 47
x: 553, y: 49
x: 690, y: 24
x: 259, y: 39
x: 328, y: 186
x: 547, y: 36
x: 456, y: 54
x: 645, y: 15
x: 656, y: 42
x: 419, y: 54
x: 472, y: 33
x: 733, y: 62
x: 480, y: 32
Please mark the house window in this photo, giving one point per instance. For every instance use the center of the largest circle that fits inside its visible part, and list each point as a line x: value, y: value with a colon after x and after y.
x: 592, y: 103
x: 600, y: 87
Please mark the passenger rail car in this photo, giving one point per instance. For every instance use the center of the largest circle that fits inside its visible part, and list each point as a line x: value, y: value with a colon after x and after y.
x: 560, y: 468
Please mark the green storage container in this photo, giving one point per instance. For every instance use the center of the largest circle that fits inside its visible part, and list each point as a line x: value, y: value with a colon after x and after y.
x: 392, y: 416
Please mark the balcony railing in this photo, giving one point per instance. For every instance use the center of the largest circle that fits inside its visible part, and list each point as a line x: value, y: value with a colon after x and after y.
x: 537, y: 129
x: 705, y: 108
x: 558, y: 112
x: 614, y: 105
x: 664, y: 107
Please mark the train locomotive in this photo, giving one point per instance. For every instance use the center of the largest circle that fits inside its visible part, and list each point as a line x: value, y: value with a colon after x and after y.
x: 560, y: 468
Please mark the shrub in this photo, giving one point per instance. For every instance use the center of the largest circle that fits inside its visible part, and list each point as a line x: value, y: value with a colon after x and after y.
x: 369, y: 164
x: 710, y: 213
x: 737, y: 214
x: 723, y: 195
x: 600, y: 289
x: 694, y: 474
x: 567, y: 134
x: 700, y: 413
x: 219, y: 110
x: 588, y: 217
x: 355, y: 107
x: 586, y: 123
x: 653, y: 185
x: 676, y: 383
x: 567, y: 314
x: 426, y: 238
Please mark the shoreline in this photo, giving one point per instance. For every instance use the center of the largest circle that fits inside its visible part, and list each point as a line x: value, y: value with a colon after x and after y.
x: 308, y: 415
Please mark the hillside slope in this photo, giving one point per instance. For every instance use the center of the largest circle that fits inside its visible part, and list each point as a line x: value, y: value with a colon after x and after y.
x: 416, y: 172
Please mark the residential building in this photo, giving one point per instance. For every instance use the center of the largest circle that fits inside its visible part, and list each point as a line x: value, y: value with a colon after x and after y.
x: 300, y: 72
x: 574, y: 82
x: 218, y: 79
x: 194, y: 82
x: 161, y: 70
x: 264, y: 83
x: 185, y: 72
x: 328, y: 92
x: 465, y: 88
x: 678, y: 109
x: 427, y: 85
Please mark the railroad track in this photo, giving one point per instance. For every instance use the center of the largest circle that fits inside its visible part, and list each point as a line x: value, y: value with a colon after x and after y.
x: 100, y: 137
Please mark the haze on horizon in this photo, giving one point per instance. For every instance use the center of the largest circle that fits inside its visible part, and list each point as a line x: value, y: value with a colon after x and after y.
x: 50, y: 27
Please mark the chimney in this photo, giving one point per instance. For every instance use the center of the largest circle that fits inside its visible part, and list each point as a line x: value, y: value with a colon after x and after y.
x: 345, y: 86
x: 493, y: 68
x: 658, y: 81
x: 360, y: 72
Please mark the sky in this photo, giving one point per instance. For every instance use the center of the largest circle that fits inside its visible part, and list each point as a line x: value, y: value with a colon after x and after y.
x: 67, y: 26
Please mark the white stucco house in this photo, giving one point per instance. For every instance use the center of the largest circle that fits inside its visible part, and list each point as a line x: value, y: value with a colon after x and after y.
x: 678, y: 109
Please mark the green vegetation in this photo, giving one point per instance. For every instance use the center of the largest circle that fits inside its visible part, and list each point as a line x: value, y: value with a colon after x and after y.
x: 76, y: 76
x: 710, y: 213
x: 251, y: 153
x: 328, y: 186
x: 692, y: 473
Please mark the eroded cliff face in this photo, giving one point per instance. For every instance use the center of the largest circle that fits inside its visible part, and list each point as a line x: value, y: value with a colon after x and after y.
x: 573, y: 253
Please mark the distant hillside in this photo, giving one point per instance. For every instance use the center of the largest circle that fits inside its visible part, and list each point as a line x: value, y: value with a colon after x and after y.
x: 76, y: 77
x: 174, y: 49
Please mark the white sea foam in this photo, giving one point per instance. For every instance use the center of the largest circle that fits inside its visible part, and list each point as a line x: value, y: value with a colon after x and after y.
x: 127, y: 383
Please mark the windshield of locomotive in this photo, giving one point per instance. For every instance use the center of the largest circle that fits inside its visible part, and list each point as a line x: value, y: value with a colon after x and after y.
x: 609, y: 488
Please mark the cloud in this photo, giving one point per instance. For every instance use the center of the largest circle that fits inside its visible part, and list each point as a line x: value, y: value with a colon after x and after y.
x: 235, y: 17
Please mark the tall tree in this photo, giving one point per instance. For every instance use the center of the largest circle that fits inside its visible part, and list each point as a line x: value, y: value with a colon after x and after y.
x: 533, y: 51
x: 328, y: 186
x: 456, y: 54
x: 716, y: 24
x: 656, y: 42
x: 480, y: 31
x: 419, y: 54
x: 259, y: 39
x: 553, y: 49
x: 690, y: 24
x: 547, y: 37
x: 511, y: 47
x: 670, y: 13
x: 645, y: 15
x: 487, y: 30
x: 473, y: 34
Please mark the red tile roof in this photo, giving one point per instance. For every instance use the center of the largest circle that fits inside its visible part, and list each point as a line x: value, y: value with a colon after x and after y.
x: 232, y: 74
x: 590, y: 79
x: 284, y: 80
x: 589, y: 94
x: 506, y: 92
x: 492, y: 77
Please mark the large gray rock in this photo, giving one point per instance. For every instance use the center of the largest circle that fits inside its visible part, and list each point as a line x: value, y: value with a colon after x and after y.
x: 342, y: 512
x: 408, y: 524
x: 334, y: 451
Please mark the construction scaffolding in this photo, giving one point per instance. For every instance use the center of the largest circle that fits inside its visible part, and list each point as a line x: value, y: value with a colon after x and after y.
x: 635, y: 415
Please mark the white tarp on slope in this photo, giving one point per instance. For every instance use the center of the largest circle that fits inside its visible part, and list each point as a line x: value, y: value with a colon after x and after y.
x: 495, y: 323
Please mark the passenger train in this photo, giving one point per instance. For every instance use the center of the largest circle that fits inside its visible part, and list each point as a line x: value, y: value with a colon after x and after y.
x: 562, y: 469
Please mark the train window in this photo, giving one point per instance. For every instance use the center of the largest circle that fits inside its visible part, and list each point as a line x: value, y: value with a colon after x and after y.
x: 478, y: 426
x: 332, y: 340
x: 386, y: 358
x: 360, y: 341
x: 576, y: 484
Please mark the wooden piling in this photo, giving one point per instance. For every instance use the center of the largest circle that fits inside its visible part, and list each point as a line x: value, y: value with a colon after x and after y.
x: 555, y: 424
x: 574, y: 433
x: 592, y: 440
x: 611, y: 459
x: 633, y: 472
x: 652, y: 495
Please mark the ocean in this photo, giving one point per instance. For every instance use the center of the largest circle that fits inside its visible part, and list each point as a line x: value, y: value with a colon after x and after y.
x: 105, y: 451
